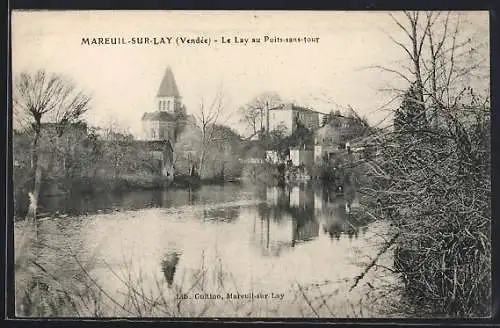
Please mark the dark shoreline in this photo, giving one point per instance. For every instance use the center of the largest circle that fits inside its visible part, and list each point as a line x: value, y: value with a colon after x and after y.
x: 112, y: 188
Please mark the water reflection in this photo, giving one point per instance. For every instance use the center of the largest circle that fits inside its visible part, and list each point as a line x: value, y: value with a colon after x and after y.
x: 135, y: 200
x: 221, y: 214
x: 169, y: 265
x: 296, y: 214
x: 285, y: 217
x: 224, y: 238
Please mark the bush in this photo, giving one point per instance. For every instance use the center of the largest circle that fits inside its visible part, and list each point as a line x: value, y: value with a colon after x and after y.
x: 266, y: 174
x: 434, y: 187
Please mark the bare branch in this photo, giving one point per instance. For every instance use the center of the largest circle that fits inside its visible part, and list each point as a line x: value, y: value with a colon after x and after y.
x: 400, y: 25
x: 390, y: 70
x: 402, y: 46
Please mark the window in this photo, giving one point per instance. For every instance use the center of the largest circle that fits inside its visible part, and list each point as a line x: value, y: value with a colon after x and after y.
x: 168, y: 105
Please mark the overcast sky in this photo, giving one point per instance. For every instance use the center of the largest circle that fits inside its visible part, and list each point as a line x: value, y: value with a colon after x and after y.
x: 124, y: 79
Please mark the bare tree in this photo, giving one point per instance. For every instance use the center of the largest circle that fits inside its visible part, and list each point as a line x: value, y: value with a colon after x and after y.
x: 253, y: 114
x: 443, y: 58
x: 208, y: 116
x: 432, y: 182
x: 41, y: 97
x: 115, y: 136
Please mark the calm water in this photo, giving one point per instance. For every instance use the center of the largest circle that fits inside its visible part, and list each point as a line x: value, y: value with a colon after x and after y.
x: 302, y: 246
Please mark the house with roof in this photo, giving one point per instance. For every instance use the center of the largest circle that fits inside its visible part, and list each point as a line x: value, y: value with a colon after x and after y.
x: 335, y: 135
x: 287, y: 115
x: 327, y: 142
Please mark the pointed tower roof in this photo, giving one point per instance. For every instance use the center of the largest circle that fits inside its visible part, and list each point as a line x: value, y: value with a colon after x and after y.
x: 168, y: 87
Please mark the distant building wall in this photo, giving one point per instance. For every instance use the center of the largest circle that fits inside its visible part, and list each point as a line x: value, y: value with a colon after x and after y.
x: 272, y: 156
x: 161, y: 151
x: 321, y: 151
x: 301, y: 156
x: 157, y: 130
x: 318, y: 153
x: 309, y: 119
x: 287, y: 114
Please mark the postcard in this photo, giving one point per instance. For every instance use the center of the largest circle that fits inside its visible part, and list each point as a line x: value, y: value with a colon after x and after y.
x: 251, y: 164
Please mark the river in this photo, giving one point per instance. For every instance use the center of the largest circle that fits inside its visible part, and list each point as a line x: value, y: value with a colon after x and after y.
x: 221, y: 251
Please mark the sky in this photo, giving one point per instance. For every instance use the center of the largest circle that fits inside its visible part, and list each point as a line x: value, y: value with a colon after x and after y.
x: 123, y: 79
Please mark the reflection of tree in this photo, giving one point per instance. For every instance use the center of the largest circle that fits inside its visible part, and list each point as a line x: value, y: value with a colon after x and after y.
x: 169, y: 265
x: 299, y: 210
x: 335, y: 214
x: 265, y: 211
x: 192, y: 196
x: 338, y: 218
x: 304, y: 223
x: 305, y: 230
x: 302, y: 211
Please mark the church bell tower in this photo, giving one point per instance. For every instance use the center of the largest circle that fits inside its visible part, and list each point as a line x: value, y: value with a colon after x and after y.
x: 168, y: 98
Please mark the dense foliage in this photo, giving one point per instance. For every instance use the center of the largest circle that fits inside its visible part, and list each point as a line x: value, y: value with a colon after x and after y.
x: 433, y: 185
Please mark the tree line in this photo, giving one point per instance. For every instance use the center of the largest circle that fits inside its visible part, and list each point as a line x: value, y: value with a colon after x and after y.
x: 56, y: 152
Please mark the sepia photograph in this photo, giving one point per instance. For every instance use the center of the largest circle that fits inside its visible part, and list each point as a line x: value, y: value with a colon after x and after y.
x: 251, y: 164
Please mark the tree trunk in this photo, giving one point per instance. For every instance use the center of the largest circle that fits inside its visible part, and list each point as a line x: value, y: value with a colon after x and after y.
x: 34, y: 149
x: 35, y: 194
x: 434, y: 96
x: 416, y: 62
x: 35, y: 165
x: 202, y: 160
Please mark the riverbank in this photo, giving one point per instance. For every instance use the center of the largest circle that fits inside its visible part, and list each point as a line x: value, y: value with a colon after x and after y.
x: 61, y: 188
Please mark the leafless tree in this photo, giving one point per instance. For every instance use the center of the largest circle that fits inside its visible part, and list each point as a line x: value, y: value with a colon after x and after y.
x: 445, y: 59
x: 208, y: 116
x: 253, y: 114
x: 433, y: 182
x: 41, y: 97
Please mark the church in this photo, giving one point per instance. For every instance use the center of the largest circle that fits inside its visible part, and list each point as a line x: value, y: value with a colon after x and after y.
x: 158, y: 127
x: 160, y: 124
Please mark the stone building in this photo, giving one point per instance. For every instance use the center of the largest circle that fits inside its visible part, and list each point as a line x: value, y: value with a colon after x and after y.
x: 158, y: 127
x: 287, y: 115
x: 160, y: 124
x: 300, y: 156
x: 327, y: 142
x: 334, y: 136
